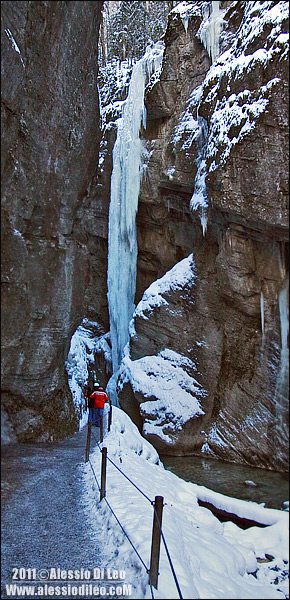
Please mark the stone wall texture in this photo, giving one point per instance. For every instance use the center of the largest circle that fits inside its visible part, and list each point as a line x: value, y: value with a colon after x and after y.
x: 241, y: 261
x: 50, y: 140
x: 55, y: 225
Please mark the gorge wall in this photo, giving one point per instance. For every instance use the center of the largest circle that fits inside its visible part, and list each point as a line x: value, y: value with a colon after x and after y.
x: 225, y: 325
x: 206, y: 370
x: 50, y: 141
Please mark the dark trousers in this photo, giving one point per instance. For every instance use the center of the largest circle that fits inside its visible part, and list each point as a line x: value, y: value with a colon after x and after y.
x: 94, y: 416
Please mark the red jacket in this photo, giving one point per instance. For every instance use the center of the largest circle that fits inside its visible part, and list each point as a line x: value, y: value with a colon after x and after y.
x: 99, y: 399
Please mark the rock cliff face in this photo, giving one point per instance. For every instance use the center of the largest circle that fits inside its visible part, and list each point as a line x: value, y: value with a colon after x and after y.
x: 231, y: 322
x: 50, y: 139
x: 206, y: 370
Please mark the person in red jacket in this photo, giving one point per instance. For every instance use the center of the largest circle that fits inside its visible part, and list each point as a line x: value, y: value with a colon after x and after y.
x: 96, y: 404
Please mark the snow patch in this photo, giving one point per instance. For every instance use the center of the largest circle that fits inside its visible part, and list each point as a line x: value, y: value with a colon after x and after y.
x: 233, y: 119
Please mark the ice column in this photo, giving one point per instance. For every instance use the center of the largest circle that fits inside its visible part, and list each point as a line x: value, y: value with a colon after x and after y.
x: 283, y: 376
x: 262, y: 312
x: 281, y: 397
x: 199, y: 198
x: 185, y: 20
x: 210, y: 30
x: 125, y: 185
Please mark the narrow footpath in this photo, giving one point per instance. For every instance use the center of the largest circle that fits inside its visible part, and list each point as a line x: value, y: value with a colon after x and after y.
x: 44, y: 523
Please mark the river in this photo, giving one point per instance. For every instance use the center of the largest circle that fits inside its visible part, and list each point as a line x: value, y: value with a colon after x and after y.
x: 272, y: 487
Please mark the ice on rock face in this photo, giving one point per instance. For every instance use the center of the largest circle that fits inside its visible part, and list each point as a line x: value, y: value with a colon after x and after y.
x: 199, y: 198
x: 210, y: 29
x: 15, y: 46
x: 284, y: 316
x: 209, y: 35
x: 81, y: 353
x: 283, y: 375
x: 262, y: 312
x: 125, y: 185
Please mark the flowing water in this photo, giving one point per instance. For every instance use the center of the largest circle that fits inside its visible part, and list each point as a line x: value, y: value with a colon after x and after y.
x: 272, y: 488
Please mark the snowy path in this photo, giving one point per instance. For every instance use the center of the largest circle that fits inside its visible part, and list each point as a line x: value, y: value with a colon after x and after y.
x: 43, y: 518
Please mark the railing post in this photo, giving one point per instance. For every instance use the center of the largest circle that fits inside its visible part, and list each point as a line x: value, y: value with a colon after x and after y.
x: 156, y: 537
x: 101, y: 429
x: 110, y: 417
x: 103, y: 474
x: 88, y: 440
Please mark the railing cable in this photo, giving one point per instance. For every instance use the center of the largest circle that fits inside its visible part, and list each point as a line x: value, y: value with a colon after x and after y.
x: 158, y: 522
x: 125, y: 533
x: 132, y: 482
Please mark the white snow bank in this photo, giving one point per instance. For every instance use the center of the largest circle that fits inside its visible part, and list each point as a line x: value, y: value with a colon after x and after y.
x: 250, y: 510
x: 211, y: 560
x: 173, y: 393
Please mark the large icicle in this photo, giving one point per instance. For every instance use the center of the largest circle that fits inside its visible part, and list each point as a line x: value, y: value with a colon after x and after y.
x: 281, y: 397
x: 210, y: 29
x: 262, y: 308
x: 125, y: 185
x: 283, y: 376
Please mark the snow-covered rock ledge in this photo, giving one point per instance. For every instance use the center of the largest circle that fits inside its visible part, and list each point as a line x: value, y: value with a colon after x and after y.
x: 211, y: 559
x: 162, y: 386
x: 171, y: 393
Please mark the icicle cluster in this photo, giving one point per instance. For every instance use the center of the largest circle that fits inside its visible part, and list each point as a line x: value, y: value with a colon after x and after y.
x: 210, y: 31
x: 125, y: 185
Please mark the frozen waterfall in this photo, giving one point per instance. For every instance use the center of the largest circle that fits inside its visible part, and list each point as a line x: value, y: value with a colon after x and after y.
x: 199, y: 198
x: 281, y: 397
x: 210, y: 29
x: 125, y: 185
x: 283, y: 376
x: 209, y: 34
